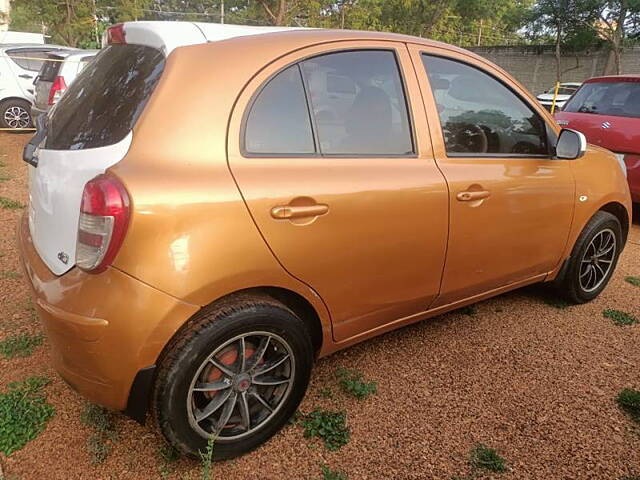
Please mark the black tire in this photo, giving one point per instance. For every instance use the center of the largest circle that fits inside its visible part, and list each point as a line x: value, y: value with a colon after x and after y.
x: 7, y: 109
x: 191, y: 349
x: 569, y: 285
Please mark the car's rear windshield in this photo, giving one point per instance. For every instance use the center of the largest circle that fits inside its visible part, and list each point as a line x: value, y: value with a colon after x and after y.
x: 50, y: 69
x: 607, y: 98
x: 104, y: 102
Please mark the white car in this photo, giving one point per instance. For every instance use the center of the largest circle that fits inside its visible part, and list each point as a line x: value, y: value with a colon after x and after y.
x: 56, y: 74
x: 19, y: 65
x: 564, y: 93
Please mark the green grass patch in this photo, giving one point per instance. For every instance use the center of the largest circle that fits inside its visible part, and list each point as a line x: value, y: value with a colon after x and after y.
x: 629, y: 401
x: 619, y: 317
x: 9, y: 204
x: 326, y: 392
x: 20, y: 345
x: 9, y: 275
x: 328, y: 474
x: 168, y: 456
x: 352, y: 382
x: 24, y: 413
x: 635, y: 281
x: 104, y: 435
x: 4, y: 178
x: 469, y: 310
x: 328, y: 425
x: 483, y: 457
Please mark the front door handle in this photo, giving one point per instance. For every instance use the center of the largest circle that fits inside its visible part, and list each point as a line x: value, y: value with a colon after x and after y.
x: 472, y: 196
x: 298, y: 211
x: 25, y: 76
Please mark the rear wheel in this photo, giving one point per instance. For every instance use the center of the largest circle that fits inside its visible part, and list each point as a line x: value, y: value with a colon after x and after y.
x: 15, y: 113
x: 237, y: 375
x: 593, y: 259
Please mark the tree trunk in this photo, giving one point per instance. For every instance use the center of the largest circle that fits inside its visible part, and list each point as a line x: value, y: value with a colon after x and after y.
x: 558, y: 52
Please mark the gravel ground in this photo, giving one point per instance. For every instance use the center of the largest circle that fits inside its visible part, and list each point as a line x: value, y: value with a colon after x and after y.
x: 537, y: 383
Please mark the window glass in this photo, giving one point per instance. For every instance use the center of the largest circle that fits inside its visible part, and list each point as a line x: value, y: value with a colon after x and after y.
x: 32, y: 63
x: 358, y: 103
x: 480, y: 115
x: 279, y: 121
x: 104, y: 102
x: 607, y: 98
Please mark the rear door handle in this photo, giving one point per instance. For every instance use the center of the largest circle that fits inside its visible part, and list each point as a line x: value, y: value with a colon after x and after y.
x: 471, y: 196
x: 292, y: 211
x: 24, y: 75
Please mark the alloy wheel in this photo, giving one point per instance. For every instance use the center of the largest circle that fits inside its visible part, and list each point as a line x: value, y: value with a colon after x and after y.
x: 17, y: 117
x: 597, y: 261
x: 239, y: 387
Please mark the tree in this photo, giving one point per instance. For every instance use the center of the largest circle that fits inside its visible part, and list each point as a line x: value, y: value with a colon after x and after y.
x: 616, y: 20
x: 562, y: 20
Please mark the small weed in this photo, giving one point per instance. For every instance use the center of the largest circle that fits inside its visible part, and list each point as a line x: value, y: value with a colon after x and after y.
x: 206, y: 458
x: 555, y: 302
x: 330, y: 426
x: 24, y: 412
x: 351, y: 382
x: 635, y: 281
x: 168, y: 455
x: 328, y: 474
x: 10, y: 204
x: 487, y: 458
x: 104, y: 433
x: 2, y: 164
x: 620, y: 318
x: 4, y: 178
x: 326, y: 392
x: 20, y: 345
x: 469, y: 310
x: 629, y: 400
x: 9, y: 275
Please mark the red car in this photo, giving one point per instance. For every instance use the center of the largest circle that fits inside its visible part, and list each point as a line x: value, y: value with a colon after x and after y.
x: 607, y: 111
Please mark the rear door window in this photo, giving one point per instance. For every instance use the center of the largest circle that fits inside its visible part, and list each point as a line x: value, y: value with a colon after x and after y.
x: 278, y: 122
x: 607, y: 98
x: 31, y: 60
x: 103, y: 103
x: 358, y: 103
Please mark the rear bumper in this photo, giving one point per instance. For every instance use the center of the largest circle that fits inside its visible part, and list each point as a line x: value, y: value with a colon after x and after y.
x: 102, y: 328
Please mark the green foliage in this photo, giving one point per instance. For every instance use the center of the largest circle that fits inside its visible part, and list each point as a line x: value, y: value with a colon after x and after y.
x: 20, y: 345
x: 9, y: 204
x: 24, y: 413
x: 100, y: 442
x: 8, y: 274
x: 635, y: 281
x: 619, y: 317
x: 629, y: 400
x: 328, y: 425
x: 326, y: 392
x: 206, y: 458
x: 328, y: 474
x: 169, y: 453
x: 352, y: 382
x: 486, y: 458
x: 4, y: 178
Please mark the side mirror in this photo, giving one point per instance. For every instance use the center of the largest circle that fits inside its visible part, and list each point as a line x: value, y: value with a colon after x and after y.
x: 571, y: 144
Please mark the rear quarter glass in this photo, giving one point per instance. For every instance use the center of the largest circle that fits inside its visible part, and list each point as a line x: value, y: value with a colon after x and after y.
x: 106, y: 99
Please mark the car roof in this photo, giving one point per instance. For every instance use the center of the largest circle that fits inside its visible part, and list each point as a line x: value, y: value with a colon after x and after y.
x: 615, y: 78
x: 5, y: 46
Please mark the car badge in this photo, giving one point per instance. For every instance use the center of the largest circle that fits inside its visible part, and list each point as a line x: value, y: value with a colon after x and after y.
x: 563, y: 123
x: 63, y: 257
x: 606, y: 125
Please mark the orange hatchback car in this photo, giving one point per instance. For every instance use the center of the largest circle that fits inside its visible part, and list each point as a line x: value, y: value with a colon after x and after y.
x: 214, y: 207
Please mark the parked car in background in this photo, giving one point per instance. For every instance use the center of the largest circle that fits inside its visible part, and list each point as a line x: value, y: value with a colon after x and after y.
x: 308, y: 196
x: 565, y: 91
x: 607, y: 111
x: 19, y: 66
x: 56, y: 74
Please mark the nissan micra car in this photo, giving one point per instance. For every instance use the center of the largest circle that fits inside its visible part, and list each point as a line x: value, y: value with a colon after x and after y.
x: 212, y: 208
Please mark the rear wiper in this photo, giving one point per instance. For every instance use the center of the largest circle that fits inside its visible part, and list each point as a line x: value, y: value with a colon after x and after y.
x: 29, y: 152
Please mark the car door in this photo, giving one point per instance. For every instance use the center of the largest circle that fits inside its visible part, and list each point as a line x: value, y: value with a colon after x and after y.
x: 511, y: 202
x: 330, y: 150
x: 25, y: 63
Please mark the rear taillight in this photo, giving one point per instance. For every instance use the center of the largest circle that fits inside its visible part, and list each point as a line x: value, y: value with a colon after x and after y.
x: 104, y: 218
x: 115, y: 34
x: 57, y: 89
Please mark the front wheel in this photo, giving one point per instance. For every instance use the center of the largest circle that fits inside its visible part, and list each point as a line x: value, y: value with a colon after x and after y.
x: 593, y: 259
x: 236, y: 375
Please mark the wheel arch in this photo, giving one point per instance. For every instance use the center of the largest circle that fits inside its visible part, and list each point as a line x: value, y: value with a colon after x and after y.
x: 620, y: 212
x: 8, y: 99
